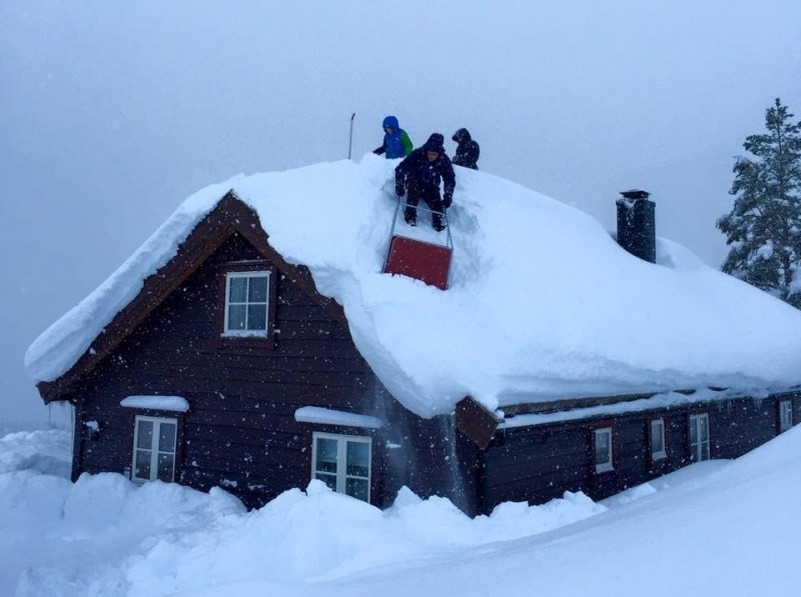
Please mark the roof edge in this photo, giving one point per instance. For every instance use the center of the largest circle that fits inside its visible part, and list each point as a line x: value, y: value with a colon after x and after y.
x: 230, y: 215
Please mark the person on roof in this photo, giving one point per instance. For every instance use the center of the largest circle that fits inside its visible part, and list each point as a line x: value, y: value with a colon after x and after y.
x: 467, y: 150
x: 420, y: 174
x: 397, y: 143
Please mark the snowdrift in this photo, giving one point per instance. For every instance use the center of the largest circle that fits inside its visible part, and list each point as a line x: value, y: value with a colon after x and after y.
x: 107, y: 536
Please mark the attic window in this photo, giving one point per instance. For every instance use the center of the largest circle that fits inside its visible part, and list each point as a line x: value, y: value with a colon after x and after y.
x: 247, y: 297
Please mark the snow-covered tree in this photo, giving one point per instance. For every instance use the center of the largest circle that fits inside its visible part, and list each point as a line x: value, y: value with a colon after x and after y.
x: 764, y: 226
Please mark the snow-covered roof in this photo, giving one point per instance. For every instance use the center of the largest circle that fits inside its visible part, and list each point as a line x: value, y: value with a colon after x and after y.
x: 542, y: 302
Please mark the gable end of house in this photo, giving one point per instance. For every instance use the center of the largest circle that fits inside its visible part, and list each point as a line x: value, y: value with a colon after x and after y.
x: 230, y: 216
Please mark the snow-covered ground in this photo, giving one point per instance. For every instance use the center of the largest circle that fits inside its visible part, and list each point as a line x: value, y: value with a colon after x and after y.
x: 716, y: 528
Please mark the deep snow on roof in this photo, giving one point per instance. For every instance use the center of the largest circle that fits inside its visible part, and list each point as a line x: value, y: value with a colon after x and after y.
x: 542, y: 302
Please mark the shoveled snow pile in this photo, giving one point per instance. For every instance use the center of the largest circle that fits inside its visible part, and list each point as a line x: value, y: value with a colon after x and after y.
x: 542, y: 304
x: 107, y: 536
x: 697, y: 531
x: 42, y: 451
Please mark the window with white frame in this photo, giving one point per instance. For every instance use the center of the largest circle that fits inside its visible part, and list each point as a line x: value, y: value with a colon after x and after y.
x: 343, y: 463
x: 247, y: 298
x: 657, y: 435
x: 154, y: 449
x: 699, y: 437
x: 785, y: 415
x: 603, y: 450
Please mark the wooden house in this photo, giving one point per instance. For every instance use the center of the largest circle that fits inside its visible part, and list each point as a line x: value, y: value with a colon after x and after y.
x: 229, y: 368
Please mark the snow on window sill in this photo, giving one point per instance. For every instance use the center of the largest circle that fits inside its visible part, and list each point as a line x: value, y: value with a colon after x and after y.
x: 171, y: 403
x: 327, y: 416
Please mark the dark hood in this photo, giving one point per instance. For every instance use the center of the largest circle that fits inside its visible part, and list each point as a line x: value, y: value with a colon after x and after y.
x: 435, y: 143
x: 461, y: 136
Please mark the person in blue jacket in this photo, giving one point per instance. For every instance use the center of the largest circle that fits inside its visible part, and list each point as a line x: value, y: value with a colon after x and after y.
x: 420, y: 175
x: 397, y: 143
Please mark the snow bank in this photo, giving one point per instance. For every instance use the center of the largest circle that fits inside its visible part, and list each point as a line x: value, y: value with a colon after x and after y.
x: 43, y: 451
x: 543, y: 304
x: 107, y: 536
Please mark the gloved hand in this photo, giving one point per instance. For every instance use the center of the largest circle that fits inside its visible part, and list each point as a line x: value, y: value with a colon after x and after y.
x: 447, y: 199
x: 399, y: 190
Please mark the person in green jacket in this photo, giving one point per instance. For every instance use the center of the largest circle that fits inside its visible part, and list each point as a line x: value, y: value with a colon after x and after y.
x: 397, y: 143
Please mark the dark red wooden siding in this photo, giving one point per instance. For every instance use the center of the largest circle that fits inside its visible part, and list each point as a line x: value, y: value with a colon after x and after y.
x: 240, y: 432
x: 240, y: 429
x: 537, y: 464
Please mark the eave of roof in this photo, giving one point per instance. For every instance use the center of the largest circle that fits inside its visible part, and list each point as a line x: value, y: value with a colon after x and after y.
x: 230, y: 215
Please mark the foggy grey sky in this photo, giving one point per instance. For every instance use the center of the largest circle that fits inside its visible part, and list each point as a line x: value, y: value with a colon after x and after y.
x: 111, y: 113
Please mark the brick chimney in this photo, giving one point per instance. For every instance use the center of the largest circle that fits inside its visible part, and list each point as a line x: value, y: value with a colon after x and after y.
x: 636, y: 231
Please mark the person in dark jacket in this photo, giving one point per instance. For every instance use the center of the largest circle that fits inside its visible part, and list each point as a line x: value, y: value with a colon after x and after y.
x: 397, y: 143
x: 420, y: 175
x: 467, y: 150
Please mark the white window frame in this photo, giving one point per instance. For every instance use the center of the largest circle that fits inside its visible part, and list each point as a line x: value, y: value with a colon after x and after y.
x: 785, y: 415
x: 660, y: 454
x: 247, y: 333
x: 608, y: 464
x: 154, y: 448
x: 699, y: 451
x: 342, y: 452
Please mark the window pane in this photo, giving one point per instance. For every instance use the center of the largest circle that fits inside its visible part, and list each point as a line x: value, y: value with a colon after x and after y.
x: 358, y: 459
x: 703, y: 451
x: 656, y: 444
x: 786, y: 415
x: 167, y: 437
x: 236, y: 317
x: 693, y: 430
x: 166, y: 463
x: 657, y: 438
x: 144, y: 436
x: 358, y: 488
x: 142, y: 466
x: 602, y: 447
x: 330, y: 480
x: 257, y: 317
x: 327, y: 456
x: 257, y: 292
x: 237, y: 289
x: 704, y: 421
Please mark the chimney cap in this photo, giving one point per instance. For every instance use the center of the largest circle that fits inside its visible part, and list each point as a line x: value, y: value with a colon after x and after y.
x: 635, y: 194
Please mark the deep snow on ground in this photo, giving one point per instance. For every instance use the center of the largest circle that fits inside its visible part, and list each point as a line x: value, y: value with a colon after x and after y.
x: 715, y: 528
x: 542, y: 302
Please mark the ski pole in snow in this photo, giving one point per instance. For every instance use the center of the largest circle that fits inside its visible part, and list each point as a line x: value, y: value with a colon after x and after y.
x: 350, y: 139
